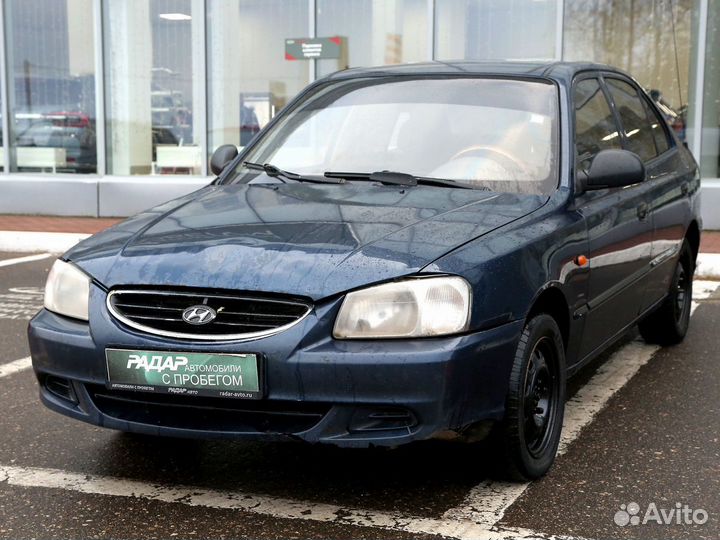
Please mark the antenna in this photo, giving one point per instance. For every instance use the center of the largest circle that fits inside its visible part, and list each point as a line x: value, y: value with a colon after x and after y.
x: 677, y: 61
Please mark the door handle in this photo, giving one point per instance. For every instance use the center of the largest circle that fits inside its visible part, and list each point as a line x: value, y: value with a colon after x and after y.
x: 642, y: 211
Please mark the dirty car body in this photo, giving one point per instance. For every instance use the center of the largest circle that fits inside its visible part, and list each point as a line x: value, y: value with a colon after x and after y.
x: 278, y: 258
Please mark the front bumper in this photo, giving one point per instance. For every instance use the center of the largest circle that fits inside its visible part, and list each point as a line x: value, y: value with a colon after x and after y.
x: 349, y: 393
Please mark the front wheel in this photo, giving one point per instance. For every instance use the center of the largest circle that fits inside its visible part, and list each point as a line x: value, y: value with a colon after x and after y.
x: 669, y: 323
x: 529, y: 435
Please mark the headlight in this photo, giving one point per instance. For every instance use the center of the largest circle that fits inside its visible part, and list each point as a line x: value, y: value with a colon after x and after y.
x: 67, y: 291
x: 432, y: 306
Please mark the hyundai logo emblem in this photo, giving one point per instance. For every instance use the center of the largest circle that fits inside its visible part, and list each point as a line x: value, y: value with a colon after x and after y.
x: 199, y: 314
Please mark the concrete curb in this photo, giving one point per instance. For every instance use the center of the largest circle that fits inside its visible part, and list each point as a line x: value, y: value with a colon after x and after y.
x: 708, y: 266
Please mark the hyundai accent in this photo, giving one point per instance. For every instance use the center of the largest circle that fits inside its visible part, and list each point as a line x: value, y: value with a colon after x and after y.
x: 403, y: 253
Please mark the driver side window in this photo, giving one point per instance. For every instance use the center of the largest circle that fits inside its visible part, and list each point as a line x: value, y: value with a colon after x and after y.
x: 595, y: 127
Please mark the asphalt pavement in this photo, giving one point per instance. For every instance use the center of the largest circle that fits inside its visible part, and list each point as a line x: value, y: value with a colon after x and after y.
x: 643, y: 427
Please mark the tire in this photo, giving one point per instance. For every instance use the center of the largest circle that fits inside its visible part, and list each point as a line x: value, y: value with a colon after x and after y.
x: 528, y: 437
x: 669, y: 323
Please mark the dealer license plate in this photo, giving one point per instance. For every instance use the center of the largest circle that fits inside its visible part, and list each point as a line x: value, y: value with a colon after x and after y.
x: 184, y: 373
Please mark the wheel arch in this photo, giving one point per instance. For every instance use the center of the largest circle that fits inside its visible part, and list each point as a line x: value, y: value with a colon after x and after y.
x: 551, y: 300
x: 692, y: 235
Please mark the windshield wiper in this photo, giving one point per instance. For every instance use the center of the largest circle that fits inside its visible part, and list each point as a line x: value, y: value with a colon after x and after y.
x: 428, y: 181
x: 272, y: 170
x: 385, y: 177
x: 398, y: 179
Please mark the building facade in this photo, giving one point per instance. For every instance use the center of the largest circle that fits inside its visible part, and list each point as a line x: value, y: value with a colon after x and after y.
x: 111, y: 106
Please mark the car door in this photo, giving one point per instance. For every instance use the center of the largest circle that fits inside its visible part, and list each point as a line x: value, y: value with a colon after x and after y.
x: 618, y: 222
x: 668, y: 179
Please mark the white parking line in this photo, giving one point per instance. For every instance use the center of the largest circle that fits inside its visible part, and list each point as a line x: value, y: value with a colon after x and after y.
x: 54, y: 242
x: 15, y: 366
x: 477, y: 517
x: 29, y: 258
x: 21, y: 303
x: 487, y: 502
x: 256, y: 504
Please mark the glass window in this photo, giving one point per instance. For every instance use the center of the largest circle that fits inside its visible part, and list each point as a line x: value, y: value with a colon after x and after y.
x: 595, y: 128
x: 637, y: 37
x: 633, y: 116
x: 249, y: 78
x: 710, y: 150
x: 662, y: 141
x: 153, y: 53
x: 51, y: 85
x: 377, y: 33
x: 496, y: 133
x: 494, y: 29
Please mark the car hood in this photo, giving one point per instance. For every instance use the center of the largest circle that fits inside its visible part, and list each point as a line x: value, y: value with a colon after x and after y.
x: 313, y: 240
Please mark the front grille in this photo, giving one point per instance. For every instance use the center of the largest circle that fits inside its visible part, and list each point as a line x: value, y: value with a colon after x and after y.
x: 235, y: 316
x: 209, y: 414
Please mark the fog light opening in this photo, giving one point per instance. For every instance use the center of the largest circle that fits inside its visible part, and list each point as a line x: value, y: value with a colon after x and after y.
x: 382, y: 419
x: 61, y: 388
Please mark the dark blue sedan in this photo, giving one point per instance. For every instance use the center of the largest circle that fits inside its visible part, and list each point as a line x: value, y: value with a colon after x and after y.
x: 404, y: 253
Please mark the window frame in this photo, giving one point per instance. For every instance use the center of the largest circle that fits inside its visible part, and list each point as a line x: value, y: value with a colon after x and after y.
x: 580, y: 77
x: 229, y: 174
x: 666, y: 129
x: 647, y: 107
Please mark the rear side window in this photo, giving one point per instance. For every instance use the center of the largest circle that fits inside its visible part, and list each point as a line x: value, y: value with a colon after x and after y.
x: 633, y: 115
x: 595, y: 127
x: 656, y: 125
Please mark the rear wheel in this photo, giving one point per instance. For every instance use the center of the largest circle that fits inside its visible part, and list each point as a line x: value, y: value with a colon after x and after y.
x: 669, y: 323
x: 529, y: 435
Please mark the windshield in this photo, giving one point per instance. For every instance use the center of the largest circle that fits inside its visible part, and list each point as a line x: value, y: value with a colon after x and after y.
x: 499, y: 134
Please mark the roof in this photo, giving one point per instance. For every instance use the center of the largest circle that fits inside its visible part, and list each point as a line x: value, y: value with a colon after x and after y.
x: 554, y: 70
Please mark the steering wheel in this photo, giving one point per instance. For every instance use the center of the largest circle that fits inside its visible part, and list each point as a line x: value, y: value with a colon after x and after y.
x: 502, y: 158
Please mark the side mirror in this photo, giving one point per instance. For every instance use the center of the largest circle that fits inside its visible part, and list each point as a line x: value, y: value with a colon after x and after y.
x: 222, y: 157
x: 611, y: 169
